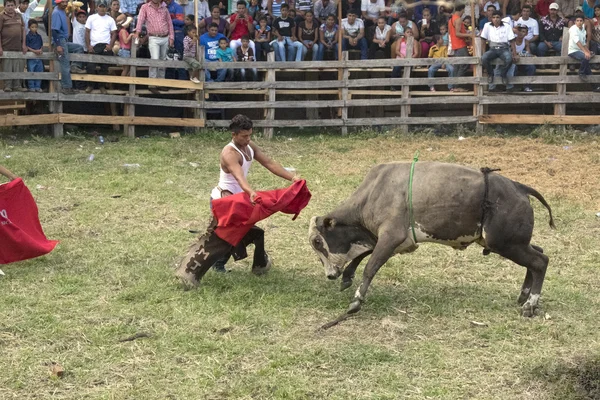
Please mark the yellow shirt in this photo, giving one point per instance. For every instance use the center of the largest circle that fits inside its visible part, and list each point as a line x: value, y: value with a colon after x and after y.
x: 438, y: 51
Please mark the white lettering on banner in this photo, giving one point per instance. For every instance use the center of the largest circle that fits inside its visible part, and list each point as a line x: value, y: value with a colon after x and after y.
x: 4, y: 215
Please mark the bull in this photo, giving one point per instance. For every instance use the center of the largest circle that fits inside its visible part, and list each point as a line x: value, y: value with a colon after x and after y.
x: 446, y: 204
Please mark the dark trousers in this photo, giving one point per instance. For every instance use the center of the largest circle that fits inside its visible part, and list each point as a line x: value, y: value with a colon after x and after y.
x: 460, y: 70
x: 374, y: 48
x: 502, y: 53
x: 262, y: 49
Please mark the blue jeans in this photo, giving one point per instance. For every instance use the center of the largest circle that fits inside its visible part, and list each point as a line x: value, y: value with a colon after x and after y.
x: 527, y: 70
x: 584, y: 69
x: 435, y: 67
x: 543, y: 48
x: 362, y: 45
x: 220, y: 73
x: 35, y: 66
x: 294, y: 49
x: 492, y: 54
x: 65, y: 64
x: 315, y: 50
x: 322, y: 49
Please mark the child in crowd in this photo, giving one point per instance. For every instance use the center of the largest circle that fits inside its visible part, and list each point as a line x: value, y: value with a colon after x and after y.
x: 401, y: 52
x: 381, y: 39
x: 245, y: 54
x: 254, y: 10
x: 34, y: 43
x: 189, y: 20
x: 125, y: 44
x: 190, y: 47
x: 225, y: 54
x: 262, y: 39
x: 329, y: 37
x: 439, y: 50
x: 78, y: 24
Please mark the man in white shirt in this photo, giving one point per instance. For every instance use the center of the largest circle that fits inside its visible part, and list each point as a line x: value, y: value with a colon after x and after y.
x: 533, y: 28
x: 353, y: 35
x: 578, y: 49
x: 501, y: 40
x: 100, y: 36
x: 25, y: 8
x: 370, y: 11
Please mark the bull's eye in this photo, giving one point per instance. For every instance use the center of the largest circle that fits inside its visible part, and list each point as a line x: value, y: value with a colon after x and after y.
x: 317, y: 241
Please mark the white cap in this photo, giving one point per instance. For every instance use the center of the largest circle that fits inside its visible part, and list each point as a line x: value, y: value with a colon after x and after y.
x: 553, y: 6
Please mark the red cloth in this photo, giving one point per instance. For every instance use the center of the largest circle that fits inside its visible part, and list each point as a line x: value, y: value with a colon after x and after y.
x: 21, y: 235
x: 236, y: 215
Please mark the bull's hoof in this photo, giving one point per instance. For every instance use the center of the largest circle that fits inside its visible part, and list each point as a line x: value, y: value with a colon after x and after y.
x: 263, y: 270
x: 486, y: 252
x: 345, y: 285
x: 522, y: 298
x: 354, y: 307
x: 529, y: 311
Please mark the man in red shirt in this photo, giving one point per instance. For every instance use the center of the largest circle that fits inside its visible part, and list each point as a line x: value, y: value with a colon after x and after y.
x: 241, y: 24
x: 457, y: 33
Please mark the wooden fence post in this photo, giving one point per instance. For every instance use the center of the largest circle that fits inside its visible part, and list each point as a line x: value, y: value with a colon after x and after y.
x: 345, y: 77
x: 405, y: 109
x: 200, y: 112
x: 478, y: 108
x: 129, y: 109
x: 56, y: 106
x: 561, y: 88
x: 270, y: 114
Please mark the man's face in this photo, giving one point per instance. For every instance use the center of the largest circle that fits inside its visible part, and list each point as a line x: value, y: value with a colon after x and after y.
x: 351, y: 18
x: 525, y: 13
x: 521, y: 33
x: 553, y: 12
x: 402, y: 21
x: 62, y: 5
x: 496, y: 20
x: 216, y: 14
x: 212, y: 31
x: 33, y: 28
x: 101, y: 10
x: 579, y: 22
x: 10, y: 8
x: 241, y: 10
x: 81, y: 19
x: 242, y: 138
x: 23, y: 6
x: 284, y: 12
x: 490, y: 11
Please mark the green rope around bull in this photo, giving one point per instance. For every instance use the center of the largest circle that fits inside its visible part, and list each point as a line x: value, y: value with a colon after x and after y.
x: 410, y: 204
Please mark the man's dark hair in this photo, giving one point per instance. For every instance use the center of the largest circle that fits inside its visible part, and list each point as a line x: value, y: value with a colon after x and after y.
x: 403, y: 15
x: 190, y: 17
x: 497, y: 13
x: 493, y: 6
x: 526, y: 7
x: 10, y: 1
x: 240, y: 123
x: 223, y: 39
x: 331, y: 15
x: 286, y: 6
x: 245, y: 37
x: 189, y: 28
x: 23, y: 1
x: 31, y: 22
x: 213, y: 25
x: 459, y: 7
x: 241, y: 3
x: 351, y: 11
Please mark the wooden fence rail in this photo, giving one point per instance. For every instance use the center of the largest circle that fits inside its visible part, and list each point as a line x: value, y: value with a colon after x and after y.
x: 348, y: 93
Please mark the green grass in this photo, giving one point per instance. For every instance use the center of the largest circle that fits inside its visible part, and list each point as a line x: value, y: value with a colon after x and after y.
x: 245, y: 337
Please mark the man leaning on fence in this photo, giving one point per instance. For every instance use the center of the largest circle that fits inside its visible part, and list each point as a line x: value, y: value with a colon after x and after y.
x: 60, y: 34
x: 12, y: 38
x: 501, y: 45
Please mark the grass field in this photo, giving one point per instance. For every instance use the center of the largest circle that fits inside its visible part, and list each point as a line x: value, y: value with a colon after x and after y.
x: 239, y: 336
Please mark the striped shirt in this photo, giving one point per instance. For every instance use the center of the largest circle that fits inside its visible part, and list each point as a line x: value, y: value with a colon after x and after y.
x: 157, y: 20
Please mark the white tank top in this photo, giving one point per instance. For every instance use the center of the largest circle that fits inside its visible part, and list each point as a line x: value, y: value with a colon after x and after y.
x: 227, y: 181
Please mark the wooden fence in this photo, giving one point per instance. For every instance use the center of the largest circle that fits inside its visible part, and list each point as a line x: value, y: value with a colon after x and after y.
x: 352, y: 92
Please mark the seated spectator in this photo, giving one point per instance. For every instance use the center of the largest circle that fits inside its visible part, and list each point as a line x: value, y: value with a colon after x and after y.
x: 427, y: 29
x: 551, y: 32
x: 353, y: 35
x: 500, y: 38
x: 245, y: 54
x: 489, y: 10
x: 468, y: 9
x: 215, y: 17
x: 188, y: 20
x: 533, y: 33
x: 302, y: 6
x: 292, y: 14
x: 522, y: 49
x: 381, y: 39
x: 100, y: 36
x: 403, y: 24
x: 323, y: 8
x: 254, y: 10
x: 578, y: 49
x: 329, y: 38
x: 371, y: 10
x: 533, y: 13
x: 262, y: 39
x: 308, y: 34
x: 210, y: 42
x: 12, y: 38
x: 125, y: 44
x: 542, y: 8
x: 25, y: 8
x: 401, y: 49
x: 190, y: 48
x: 284, y: 28
x: 512, y: 19
x: 567, y: 8
x: 425, y: 5
x: 439, y: 50
x: 595, y: 42
x: 34, y: 44
x: 225, y: 54
x: 241, y: 24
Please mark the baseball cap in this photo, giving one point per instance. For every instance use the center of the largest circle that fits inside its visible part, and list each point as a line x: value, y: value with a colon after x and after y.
x: 553, y: 6
x: 101, y: 3
x: 81, y: 12
x: 59, y: 1
x: 579, y: 8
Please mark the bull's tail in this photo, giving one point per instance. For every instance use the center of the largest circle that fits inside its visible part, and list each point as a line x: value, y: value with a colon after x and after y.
x: 532, y: 192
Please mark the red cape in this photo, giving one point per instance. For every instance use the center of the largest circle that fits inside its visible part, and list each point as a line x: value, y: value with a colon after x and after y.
x: 21, y: 235
x: 236, y: 215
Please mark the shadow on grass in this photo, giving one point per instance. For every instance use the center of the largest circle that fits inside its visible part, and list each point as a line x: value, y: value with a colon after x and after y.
x: 578, y: 378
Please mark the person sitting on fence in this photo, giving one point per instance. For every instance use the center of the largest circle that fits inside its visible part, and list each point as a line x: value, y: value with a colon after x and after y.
x: 60, y: 33
x: 353, y: 35
x: 100, y: 36
x: 34, y: 44
x: 262, y: 39
x: 329, y: 38
x: 284, y: 28
x: 190, y: 48
x: 125, y: 44
x: 323, y: 8
x: 245, y: 54
x: 533, y: 29
x: 501, y: 45
x: 578, y: 48
x: 381, y: 40
x: 523, y: 50
x: 308, y: 33
x: 210, y: 42
x: 25, y: 8
x: 427, y: 29
x: 551, y: 31
x: 439, y: 50
x: 241, y: 24
x: 402, y: 46
x: 226, y: 54
x: 12, y: 38
x: 215, y: 17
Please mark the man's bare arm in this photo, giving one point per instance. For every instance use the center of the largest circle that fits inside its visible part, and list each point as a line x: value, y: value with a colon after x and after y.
x: 7, y: 173
x: 272, y: 165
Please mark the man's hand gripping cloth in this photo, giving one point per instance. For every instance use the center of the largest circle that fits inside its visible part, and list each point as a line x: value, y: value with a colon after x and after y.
x: 236, y: 215
x: 21, y: 235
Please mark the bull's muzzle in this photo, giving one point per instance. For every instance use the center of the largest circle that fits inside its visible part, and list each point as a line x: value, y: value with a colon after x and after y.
x: 333, y: 272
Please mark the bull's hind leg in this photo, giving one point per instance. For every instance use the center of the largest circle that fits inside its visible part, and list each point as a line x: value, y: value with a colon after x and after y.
x: 526, y: 288
x: 536, y: 263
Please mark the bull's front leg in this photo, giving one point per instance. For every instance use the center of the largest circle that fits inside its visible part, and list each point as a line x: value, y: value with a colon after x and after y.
x: 384, y: 249
x: 349, y: 271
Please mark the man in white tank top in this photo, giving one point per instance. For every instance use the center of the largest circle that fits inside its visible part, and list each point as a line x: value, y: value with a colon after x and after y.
x: 235, y: 162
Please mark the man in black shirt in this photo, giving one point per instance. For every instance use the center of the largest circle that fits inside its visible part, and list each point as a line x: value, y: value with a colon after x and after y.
x: 551, y: 31
x: 284, y: 28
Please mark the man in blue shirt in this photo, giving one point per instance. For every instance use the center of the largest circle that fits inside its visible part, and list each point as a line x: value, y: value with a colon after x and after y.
x: 210, y: 41
x: 60, y: 33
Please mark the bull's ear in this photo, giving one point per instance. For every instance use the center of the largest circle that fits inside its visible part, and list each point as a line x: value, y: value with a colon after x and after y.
x: 329, y: 223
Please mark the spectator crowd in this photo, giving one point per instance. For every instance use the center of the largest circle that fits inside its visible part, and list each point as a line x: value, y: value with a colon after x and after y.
x: 297, y: 30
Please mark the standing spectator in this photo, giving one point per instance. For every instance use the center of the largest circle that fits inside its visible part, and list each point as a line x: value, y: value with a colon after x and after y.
x: 177, y: 18
x: 114, y: 12
x: 161, y: 35
x: 125, y: 44
x: 551, y: 31
x: 215, y: 16
x: 501, y: 42
x: 439, y: 50
x: 100, y: 36
x: 533, y: 29
x: 458, y: 34
x: 323, y: 8
x: 308, y: 34
x: 12, y: 38
x: 542, y: 8
x: 302, y: 7
x: 262, y: 39
x: 130, y: 7
x: 60, y: 33
x: 34, y: 44
x: 370, y: 11
x: 244, y: 53
x: 381, y: 39
x: 210, y: 42
x: 329, y: 38
x: 78, y: 26
x: 284, y: 28
x: 353, y: 35
x: 428, y: 28
x: 489, y: 10
x: 190, y: 47
x: 25, y: 9
x: 226, y: 54
x: 578, y: 49
x: 241, y: 24
x: 274, y: 8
